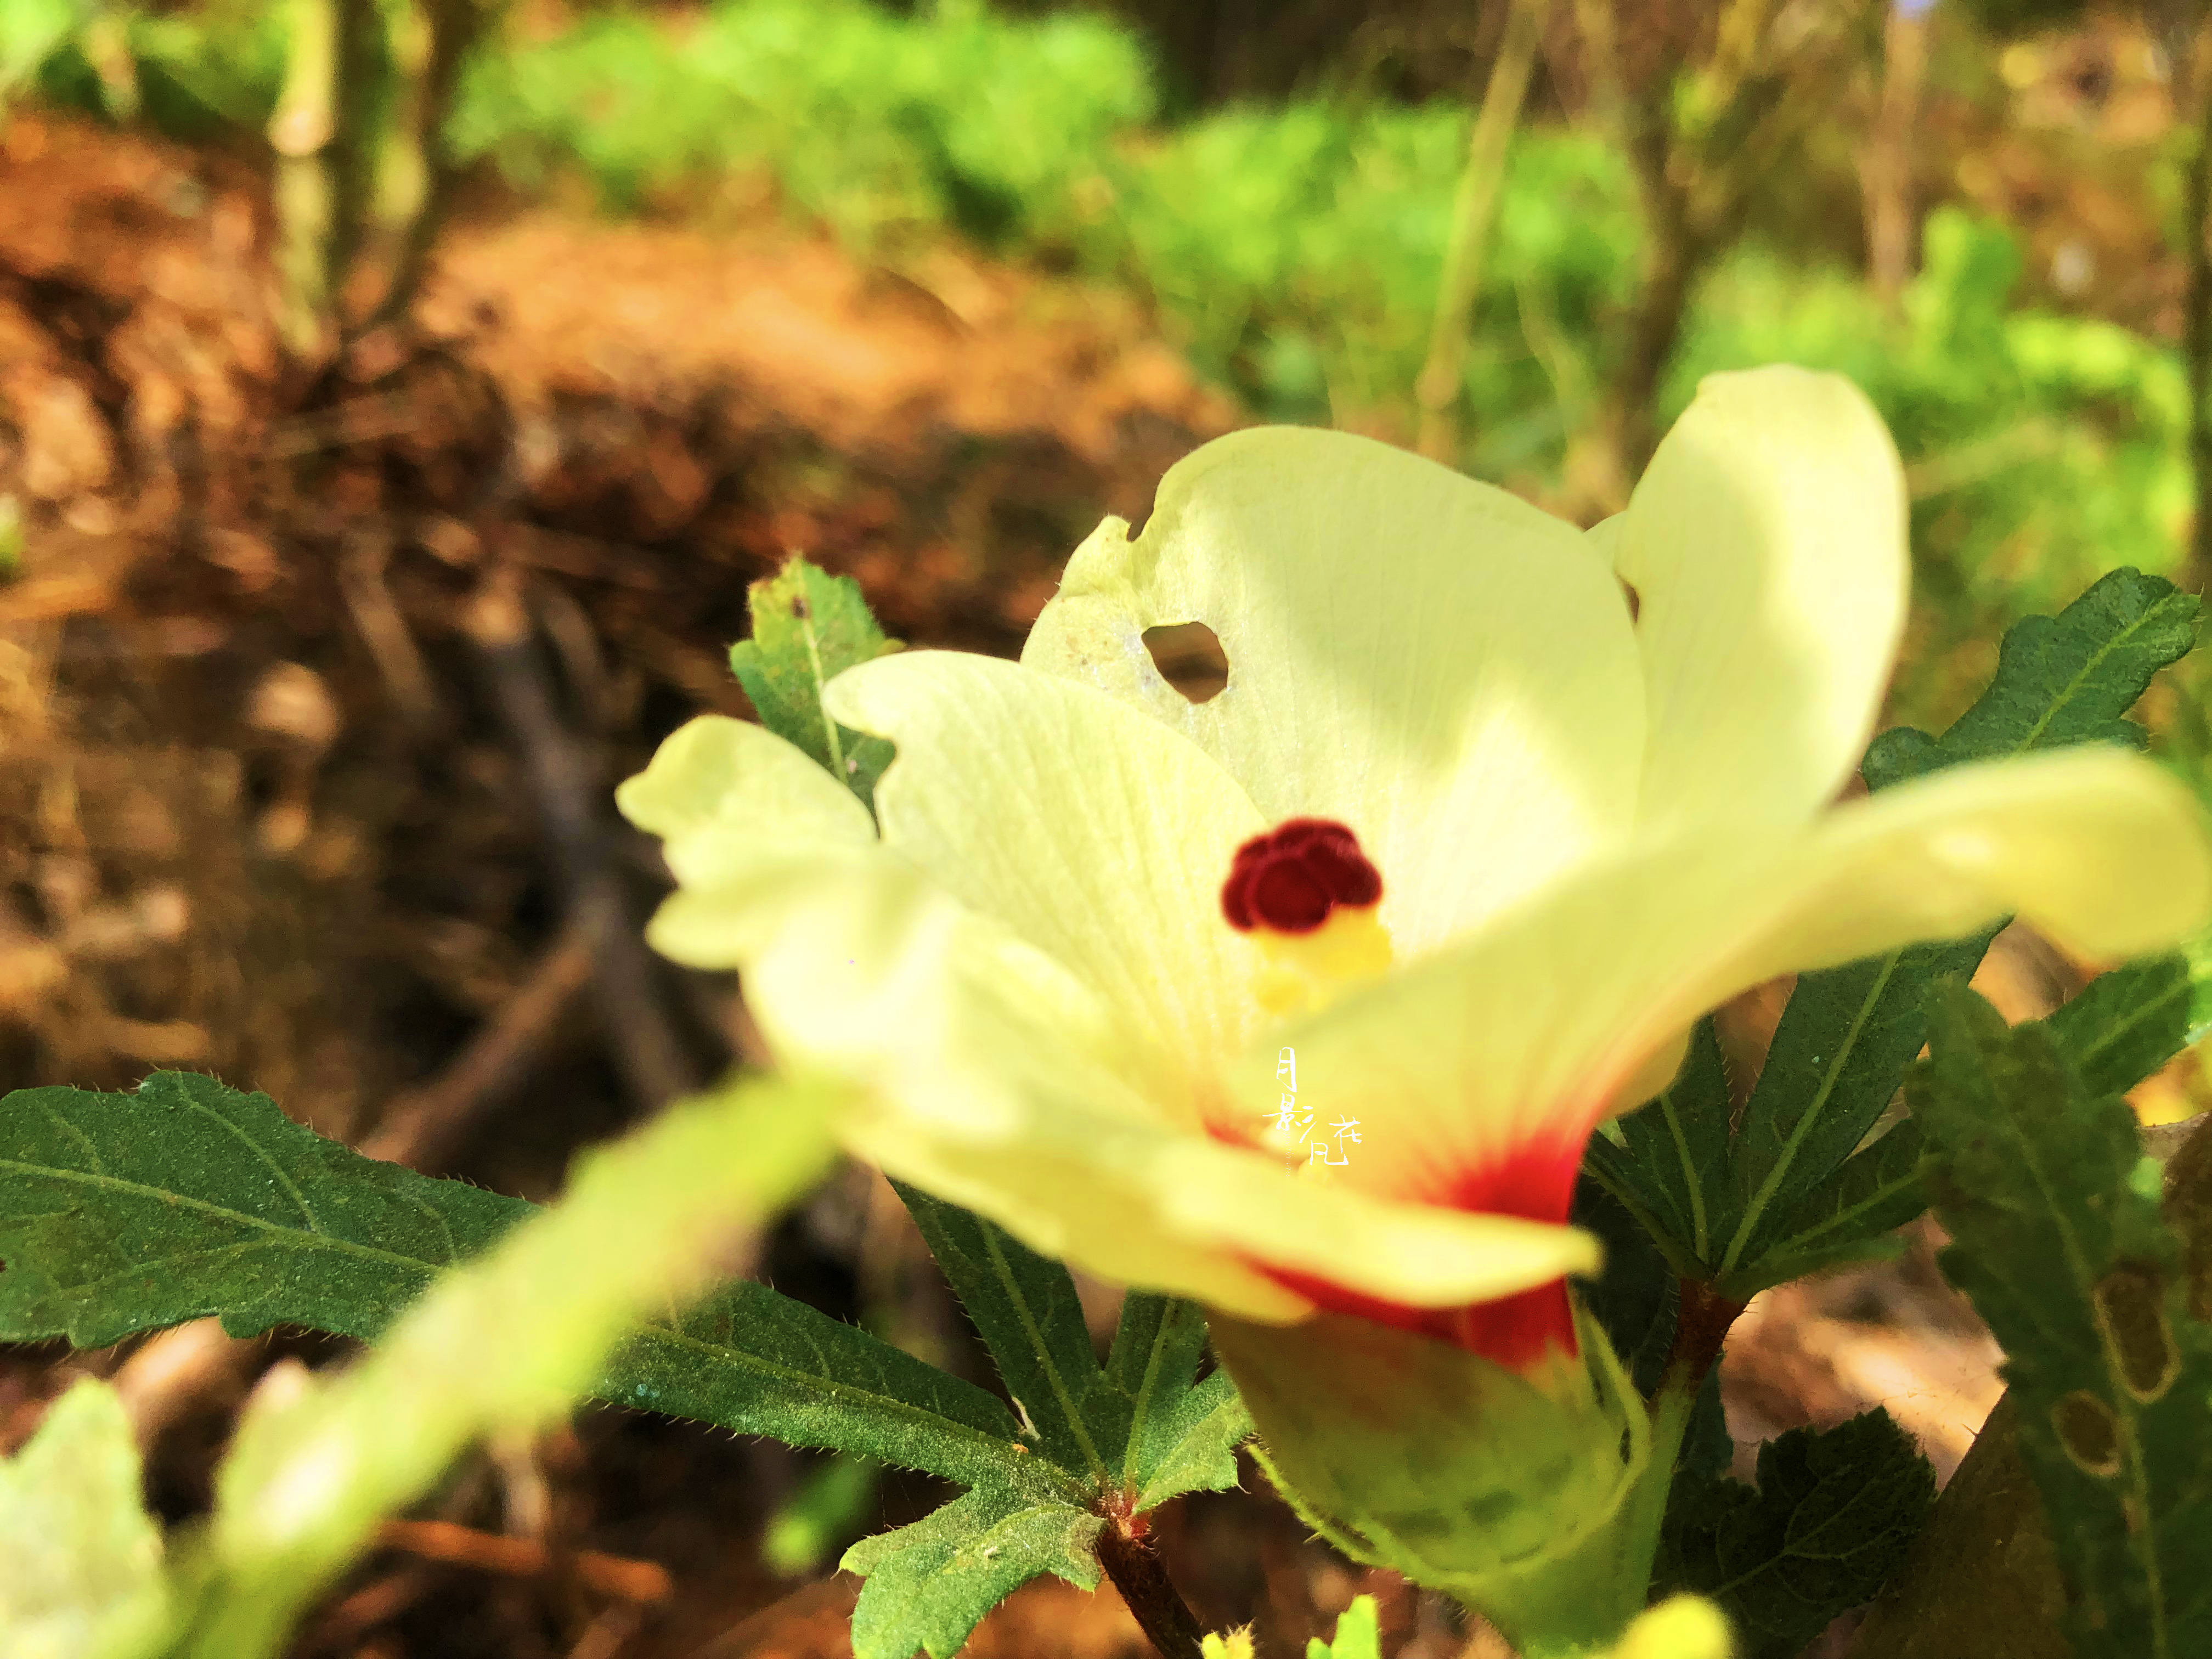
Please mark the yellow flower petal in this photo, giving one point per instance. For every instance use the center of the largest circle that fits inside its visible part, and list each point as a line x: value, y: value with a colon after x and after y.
x: 1098, y: 836
x: 719, y: 790
x: 1538, y: 1025
x: 1766, y: 545
x: 1429, y: 660
x: 1000, y: 1082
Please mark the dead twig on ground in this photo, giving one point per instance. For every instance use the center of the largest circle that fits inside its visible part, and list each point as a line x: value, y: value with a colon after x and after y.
x: 642, y: 1038
x: 618, y: 1575
x: 421, y: 1127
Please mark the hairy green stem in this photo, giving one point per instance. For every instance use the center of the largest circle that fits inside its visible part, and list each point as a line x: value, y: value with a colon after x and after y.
x: 1142, y: 1577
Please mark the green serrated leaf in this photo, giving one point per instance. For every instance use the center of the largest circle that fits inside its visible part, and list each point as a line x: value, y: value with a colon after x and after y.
x: 119, y: 1213
x: 2064, y: 679
x: 1671, y: 1150
x: 1852, y: 1217
x: 1637, y: 1298
x: 1833, y: 1515
x: 1157, y: 1349
x: 1157, y: 1346
x: 1843, y: 1041
x: 2060, y: 1244
x: 809, y: 626
x: 124, y: 1212
x: 81, y: 1572
x: 1031, y: 1318
x: 508, y: 1341
x: 755, y: 1362
x: 2127, y: 1023
x: 1358, y: 1633
x: 1192, y: 1445
x: 1848, y: 1033
x: 930, y: 1583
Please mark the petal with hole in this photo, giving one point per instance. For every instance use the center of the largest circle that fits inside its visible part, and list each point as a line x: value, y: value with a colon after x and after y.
x: 1431, y: 661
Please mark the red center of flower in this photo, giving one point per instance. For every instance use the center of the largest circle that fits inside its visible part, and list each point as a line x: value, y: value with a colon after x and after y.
x: 1292, y: 877
x: 1536, y: 1182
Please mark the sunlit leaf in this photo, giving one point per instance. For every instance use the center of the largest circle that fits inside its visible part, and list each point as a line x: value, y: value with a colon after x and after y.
x: 81, y: 1570
x: 1032, y: 1321
x: 929, y: 1584
x: 2127, y: 1023
x: 1192, y: 1445
x: 123, y: 1212
x: 1848, y: 1033
x: 808, y: 628
x: 2060, y: 1242
x: 506, y: 1342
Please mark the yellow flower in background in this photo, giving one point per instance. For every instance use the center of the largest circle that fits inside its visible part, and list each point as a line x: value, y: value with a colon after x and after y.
x: 1490, y: 811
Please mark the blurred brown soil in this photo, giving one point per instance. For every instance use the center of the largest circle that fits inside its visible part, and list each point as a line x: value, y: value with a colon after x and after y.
x: 275, y: 804
x: 314, y: 690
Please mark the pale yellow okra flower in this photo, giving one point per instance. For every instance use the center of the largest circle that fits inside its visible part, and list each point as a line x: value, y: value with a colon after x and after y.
x: 1597, y: 775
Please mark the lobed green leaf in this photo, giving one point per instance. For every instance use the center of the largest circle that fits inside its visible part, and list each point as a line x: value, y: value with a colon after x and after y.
x: 1832, y: 1516
x: 124, y: 1212
x: 2060, y: 1243
x: 1671, y: 1150
x: 1848, y: 1033
x: 2127, y: 1023
x: 1154, y: 1361
x: 121, y: 1212
x: 1842, y: 1044
x: 2064, y: 679
x: 507, y: 1341
x: 1852, y: 1217
x: 809, y: 626
x: 930, y: 1583
x: 1192, y: 1445
x: 1026, y: 1308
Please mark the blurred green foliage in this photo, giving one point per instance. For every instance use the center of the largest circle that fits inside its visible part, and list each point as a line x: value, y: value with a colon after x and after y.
x: 873, y: 124
x: 2041, y: 450
x: 1294, y: 252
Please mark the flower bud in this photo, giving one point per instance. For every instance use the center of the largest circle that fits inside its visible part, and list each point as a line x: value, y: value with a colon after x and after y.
x: 1531, y: 1496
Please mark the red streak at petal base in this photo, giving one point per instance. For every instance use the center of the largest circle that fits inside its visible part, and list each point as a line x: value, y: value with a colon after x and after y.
x: 1535, y: 1183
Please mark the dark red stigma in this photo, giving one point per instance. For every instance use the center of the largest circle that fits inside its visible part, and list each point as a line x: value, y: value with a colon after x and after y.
x: 1292, y: 877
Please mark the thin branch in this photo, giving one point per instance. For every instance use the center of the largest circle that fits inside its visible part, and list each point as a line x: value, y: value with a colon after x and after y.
x: 646, y: 1046
x: 1438, y: 388
x: 2197, y: 320
x: 300, y: 131
x: 1888, y: 171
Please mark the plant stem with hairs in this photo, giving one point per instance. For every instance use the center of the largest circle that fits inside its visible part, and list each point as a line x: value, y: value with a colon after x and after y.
x: 1138, y: 1572
x: 1437, y: 390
